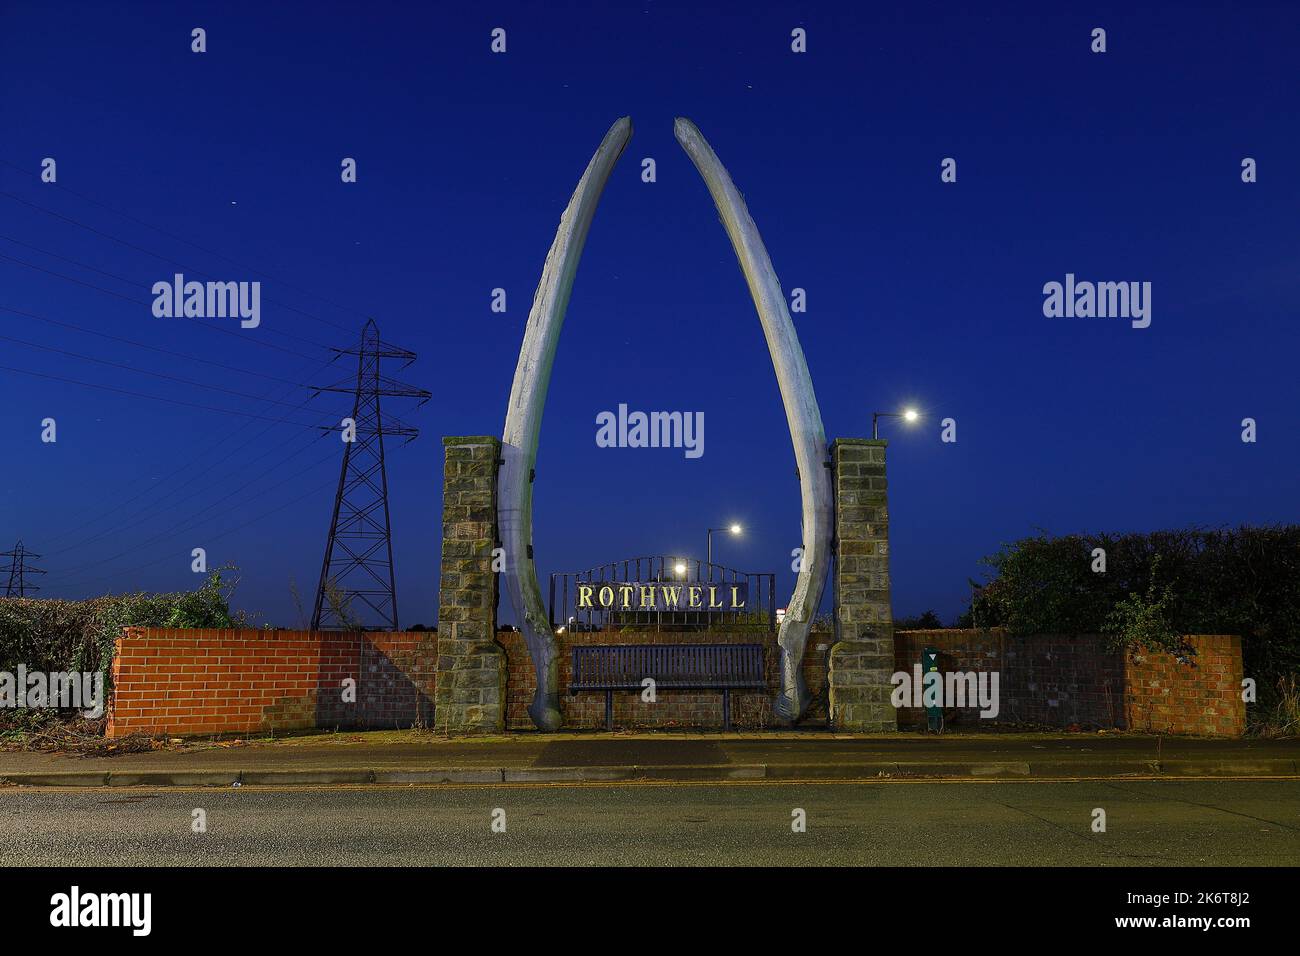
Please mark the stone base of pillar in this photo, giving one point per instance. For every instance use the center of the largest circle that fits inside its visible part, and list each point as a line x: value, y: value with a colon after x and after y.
x: 470, y: 696
x: 858, y: 687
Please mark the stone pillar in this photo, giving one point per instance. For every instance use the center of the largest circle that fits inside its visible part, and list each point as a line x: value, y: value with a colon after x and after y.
x: 861, y: 661
x: 470, y: 693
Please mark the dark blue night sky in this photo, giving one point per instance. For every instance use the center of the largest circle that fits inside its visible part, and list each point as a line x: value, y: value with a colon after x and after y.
x: 1123, y: 166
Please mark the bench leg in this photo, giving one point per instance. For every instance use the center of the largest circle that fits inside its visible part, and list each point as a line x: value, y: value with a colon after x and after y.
x: 726, y: 710
x: 609, y: 710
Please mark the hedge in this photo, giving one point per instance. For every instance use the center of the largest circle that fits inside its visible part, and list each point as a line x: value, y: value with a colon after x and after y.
x: 52, y: 635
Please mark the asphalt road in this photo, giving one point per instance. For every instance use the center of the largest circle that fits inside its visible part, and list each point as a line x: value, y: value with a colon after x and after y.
x: 1148, y: 823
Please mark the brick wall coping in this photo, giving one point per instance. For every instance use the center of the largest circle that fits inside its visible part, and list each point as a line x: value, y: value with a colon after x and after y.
x: 142, y: 632
x: 1056, y: 635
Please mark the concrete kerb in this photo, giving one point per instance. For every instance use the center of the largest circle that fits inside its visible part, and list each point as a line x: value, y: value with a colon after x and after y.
x: 844, y: 770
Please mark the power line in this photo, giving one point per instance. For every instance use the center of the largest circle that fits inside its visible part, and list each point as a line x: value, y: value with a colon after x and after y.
x: 111, y: 275
x: 152, y: 348
x: 188, y: 318
x: 237, y: 430
x: 244, y: 466
x: 225, y: 366
x: 217, y: 537
x: 142, y: 371
x: 154, y: 502
x: 154, y: 398
x: 185, y: 529
x: 195, y: 245
x: 295, y: 500
x: 156, y: 255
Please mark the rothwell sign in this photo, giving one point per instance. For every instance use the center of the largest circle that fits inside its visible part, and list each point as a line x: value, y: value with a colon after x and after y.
x: 657, y: 596
x: 661, y: 591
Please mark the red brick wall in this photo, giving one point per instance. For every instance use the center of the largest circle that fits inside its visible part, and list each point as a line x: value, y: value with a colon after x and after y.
x: 1063, y: 680
x: 1078, y: 680
x: 671, y: 708
x: 209, y: 682
x: 1165, y: 695
x: 221, y: 681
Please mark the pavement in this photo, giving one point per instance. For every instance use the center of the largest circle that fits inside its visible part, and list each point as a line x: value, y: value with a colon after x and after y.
x: 887, y: 822
x: 413, y: 757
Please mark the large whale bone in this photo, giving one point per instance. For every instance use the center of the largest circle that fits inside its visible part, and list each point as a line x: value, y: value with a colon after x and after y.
x: 801, y: 412
x: 524, y: 422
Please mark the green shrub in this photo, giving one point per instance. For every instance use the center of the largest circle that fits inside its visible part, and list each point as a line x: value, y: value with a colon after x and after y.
x: 1146, y: 620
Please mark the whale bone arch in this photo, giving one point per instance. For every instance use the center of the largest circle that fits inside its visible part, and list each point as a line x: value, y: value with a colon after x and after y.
x: 528, y: 398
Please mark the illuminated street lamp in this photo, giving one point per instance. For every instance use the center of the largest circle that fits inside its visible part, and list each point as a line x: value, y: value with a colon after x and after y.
x: 733, y: 528
x: 909, y: 415
x: 680, y: 567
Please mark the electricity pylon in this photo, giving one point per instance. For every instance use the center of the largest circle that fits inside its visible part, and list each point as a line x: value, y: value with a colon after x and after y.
x: 358, y: 565
x: 18, y: 570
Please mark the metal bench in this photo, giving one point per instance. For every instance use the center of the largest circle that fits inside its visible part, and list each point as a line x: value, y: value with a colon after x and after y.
x: 611, y: 667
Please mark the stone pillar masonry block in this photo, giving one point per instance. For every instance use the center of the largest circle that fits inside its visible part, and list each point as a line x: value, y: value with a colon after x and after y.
x: 470, y: 691
x: 861, y: 661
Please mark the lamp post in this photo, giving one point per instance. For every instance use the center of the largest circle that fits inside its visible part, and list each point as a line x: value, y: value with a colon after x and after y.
x: 909, y: 415
x: 733, y: 528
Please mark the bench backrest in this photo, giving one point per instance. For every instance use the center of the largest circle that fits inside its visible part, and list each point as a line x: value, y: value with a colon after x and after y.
x: 698, y: 666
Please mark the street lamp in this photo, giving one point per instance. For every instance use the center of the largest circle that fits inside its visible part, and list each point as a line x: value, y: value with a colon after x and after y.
x: 909, y: 415
x: 733, y: 528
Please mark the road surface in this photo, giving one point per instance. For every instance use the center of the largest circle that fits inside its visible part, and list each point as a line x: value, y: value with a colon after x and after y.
x: 1148, y: 823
